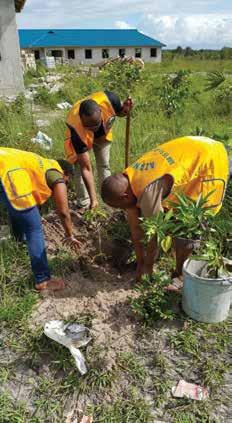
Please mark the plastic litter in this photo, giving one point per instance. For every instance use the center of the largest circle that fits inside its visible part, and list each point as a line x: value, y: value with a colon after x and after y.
x: 43, y: 140
x: 4, y: 233
x: 72, y: 336
x: 64, y: 106
x: 190, y: 390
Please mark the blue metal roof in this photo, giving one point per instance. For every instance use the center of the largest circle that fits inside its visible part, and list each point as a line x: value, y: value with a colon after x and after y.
x: 34, y: 38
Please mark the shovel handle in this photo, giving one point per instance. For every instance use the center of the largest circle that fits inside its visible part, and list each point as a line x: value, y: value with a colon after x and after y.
x: 128, y: 117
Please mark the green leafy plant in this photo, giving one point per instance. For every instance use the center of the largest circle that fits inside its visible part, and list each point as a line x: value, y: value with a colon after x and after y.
x: 174, y: 92
x: 214, y: 79
x: 190, y: 216
x: 217, y: 265
x: 121, y: 77
x: 153, y: 303
x: 158, y: 226
x: 223, y: 98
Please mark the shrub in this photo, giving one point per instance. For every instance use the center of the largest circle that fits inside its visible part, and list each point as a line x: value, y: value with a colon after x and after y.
x: 153, y: 302
x: 121, y: 77
x: 223, y: 98
x: 174, y: 92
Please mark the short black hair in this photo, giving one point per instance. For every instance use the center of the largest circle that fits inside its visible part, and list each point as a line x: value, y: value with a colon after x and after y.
x: 66, y: 167
x: 88, y: 107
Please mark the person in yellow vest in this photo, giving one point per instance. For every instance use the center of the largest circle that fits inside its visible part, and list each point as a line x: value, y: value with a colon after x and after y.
x: 27, y: 180
x: 89, y: 124
x: 190, y: 165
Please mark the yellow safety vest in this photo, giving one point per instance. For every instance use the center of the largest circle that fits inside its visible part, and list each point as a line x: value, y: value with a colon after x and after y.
x: 87, y: 136
x: 198, y: 165
x: 23, y: 176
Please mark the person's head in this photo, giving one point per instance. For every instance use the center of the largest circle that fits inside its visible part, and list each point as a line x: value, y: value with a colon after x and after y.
x: 67, y: 169
x: 116, y: 192
x: 90, y: 114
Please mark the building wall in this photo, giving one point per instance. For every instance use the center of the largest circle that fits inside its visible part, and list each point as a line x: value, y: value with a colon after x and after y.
x: 97, y: 54
x: 11, y: 73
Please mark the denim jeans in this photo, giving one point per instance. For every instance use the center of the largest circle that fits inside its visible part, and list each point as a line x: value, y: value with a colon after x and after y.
x: 26, y: 224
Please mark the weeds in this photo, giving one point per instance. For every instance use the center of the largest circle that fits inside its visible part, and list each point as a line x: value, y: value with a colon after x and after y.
x: 130, y: 364
x: 153, y: 302
x: 122, y: 410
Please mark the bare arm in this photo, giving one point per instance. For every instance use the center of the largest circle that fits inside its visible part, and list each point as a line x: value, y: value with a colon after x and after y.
x: 87, y: 175
x: 133, y: 215
x: 60, y: 197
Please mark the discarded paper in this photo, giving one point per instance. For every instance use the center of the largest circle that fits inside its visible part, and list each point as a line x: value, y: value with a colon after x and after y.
x: 43, y: 140
x: 190, y: 390
x: 63, y: 106
x: 72, y: 336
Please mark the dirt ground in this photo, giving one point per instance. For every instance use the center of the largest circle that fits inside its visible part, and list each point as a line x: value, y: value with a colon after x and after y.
x: 98, y: 289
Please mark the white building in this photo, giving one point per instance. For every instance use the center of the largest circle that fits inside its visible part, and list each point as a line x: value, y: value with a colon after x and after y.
x: 11, y: 75
x: 90, y: 46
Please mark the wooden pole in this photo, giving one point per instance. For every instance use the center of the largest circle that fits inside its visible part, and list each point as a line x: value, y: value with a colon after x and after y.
x: 127, y: 140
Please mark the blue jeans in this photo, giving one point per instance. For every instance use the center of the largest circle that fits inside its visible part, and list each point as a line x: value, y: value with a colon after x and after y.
x: 26, y: 224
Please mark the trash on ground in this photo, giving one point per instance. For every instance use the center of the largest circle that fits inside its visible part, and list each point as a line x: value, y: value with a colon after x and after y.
x: 55, y: 88
x: 43, y: 140
x: 72, y: 336
x: 40, y: 123
x: 4, y: 233
x: 63, y: 106
x: 190, y: 390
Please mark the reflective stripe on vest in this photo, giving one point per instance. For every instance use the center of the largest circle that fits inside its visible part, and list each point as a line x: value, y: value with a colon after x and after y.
x: 198, y: 165
x: 23, y: 177
x: 87, y: 137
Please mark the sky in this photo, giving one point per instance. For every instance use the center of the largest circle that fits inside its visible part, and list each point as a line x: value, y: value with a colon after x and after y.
x: 194, y: 23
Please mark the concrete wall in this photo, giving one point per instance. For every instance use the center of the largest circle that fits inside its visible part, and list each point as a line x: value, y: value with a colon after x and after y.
x: 11, y: 73
x: 97, y: 54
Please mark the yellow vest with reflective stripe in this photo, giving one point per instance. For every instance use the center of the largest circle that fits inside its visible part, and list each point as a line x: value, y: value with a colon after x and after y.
x: 198, y: 165
x: 23, y: 176
x: 86, y: 135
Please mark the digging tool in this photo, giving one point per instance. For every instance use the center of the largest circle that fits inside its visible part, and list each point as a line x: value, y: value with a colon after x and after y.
x: 127, y: 139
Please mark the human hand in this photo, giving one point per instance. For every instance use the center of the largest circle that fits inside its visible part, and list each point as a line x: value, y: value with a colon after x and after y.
x: 127, y: 105
x: 94, y: 204
x: 72, y: 242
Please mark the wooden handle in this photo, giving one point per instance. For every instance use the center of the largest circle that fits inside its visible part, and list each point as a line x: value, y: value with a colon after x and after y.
x: 127, y: 139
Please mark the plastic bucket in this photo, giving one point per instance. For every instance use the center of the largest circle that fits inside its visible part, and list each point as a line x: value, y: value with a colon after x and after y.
x: 203, y: 299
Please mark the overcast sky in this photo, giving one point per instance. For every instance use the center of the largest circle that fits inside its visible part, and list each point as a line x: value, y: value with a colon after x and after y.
x: 194, y: 23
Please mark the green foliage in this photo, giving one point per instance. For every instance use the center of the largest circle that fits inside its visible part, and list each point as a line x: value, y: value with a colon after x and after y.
x: 214, y: 79
x: 223, y: 98
x: 158, y: 226
x: 130, y: 363
x: 174, y: 92
x: 190, y: 216
x: 216, y: 263
x: 132, y: 410
x: 14, y: 412
x: 153, y: 303
x: 44, y: 97
x: 121, y: 77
